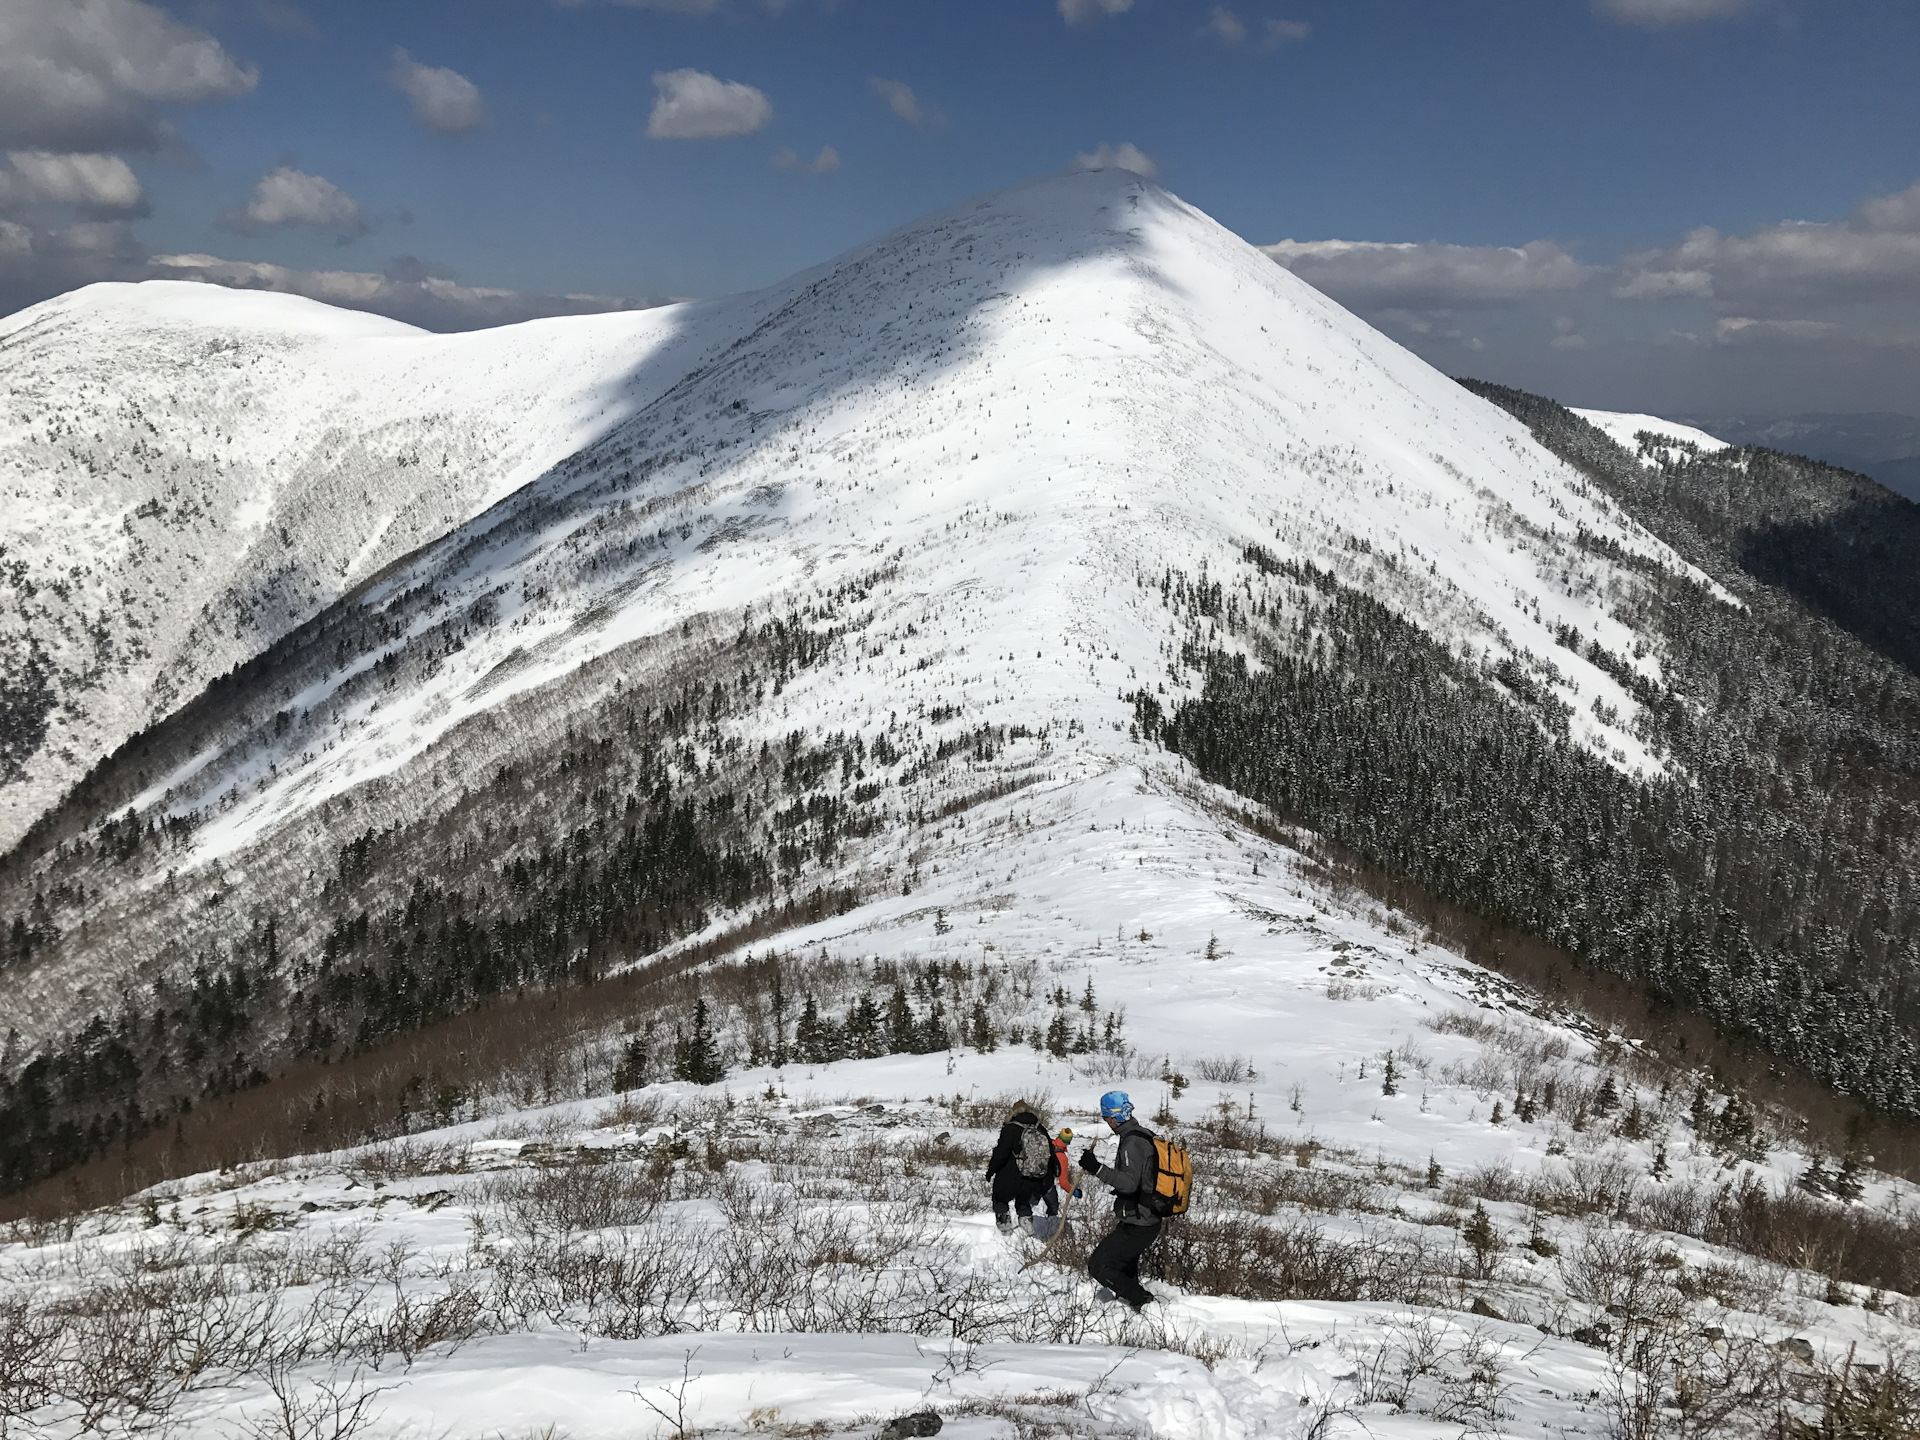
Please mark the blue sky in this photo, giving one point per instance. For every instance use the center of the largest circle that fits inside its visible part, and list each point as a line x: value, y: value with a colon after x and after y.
x: 505, y: 143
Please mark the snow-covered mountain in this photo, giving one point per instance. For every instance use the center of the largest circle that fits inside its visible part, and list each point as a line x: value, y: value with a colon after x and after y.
x: 808, y: 691
x: 188, y: 472
x: 1666, y: 437
x: 965, y: 458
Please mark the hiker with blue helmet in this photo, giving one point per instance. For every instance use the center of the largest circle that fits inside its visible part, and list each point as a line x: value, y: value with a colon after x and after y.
x: 1115, y: 1261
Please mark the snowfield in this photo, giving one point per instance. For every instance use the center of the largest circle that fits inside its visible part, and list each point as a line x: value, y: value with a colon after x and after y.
x: 806, y: 1249
x: 958, y: 465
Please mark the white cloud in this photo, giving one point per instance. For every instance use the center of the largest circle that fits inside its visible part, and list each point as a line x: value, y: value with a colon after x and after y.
x: 409, y: 290
x: 443, y: 99
x: 1873, y: 256
x: 1092, y: 12
x: 1744, y: 330
x: 286, y: 197
x: 825, y: 163
x: 91, y: 75
x: 1124, y: 156
x: 1656, y: 14
x: 1229, y: 29
x: 1225, y: 26
x: 87, y: 182
x: 1368, y: 273
x: 907, y: 105
x: 693, y: 105
x: 15, y: 240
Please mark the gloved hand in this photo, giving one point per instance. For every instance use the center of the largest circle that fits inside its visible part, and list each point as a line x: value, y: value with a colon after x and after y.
x: 1089, y: 1161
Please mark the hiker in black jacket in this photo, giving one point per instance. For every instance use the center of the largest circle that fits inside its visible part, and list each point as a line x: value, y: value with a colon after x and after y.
x: 1115, y: 1261
x: 1021, y: 1167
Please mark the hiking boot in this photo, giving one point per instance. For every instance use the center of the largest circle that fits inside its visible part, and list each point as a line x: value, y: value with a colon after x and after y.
x: 1103, y: 1294
x: 1004, y: 1224
x: 1026, y: 1223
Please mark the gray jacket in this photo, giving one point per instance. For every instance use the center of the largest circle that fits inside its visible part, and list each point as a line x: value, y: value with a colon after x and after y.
x: 1134, y: 1167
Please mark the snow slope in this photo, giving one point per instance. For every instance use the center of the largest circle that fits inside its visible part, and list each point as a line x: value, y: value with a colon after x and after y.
x: 1625, y: 430
x: 998, y: 424
x: 962, y: 459
x: 1230, y: 964
x: 186, y: 472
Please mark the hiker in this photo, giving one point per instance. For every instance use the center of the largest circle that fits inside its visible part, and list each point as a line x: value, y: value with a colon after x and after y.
x: 1115, y: 1261
x: 1023, y: 1168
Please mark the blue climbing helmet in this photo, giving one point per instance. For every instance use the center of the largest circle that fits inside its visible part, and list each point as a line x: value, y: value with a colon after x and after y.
x: 1115, y: 1105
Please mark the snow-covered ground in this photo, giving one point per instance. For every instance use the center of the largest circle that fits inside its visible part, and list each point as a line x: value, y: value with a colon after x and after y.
x: 809, y: 1245
x: 964, y: 458
x: 1625, y: 431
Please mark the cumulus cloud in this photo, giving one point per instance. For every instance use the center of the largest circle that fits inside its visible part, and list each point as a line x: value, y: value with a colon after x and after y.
x: 1092, y: 12
x: 80, y: 76
x: 89, y: 182
x: 410, y: 289
x: 1873, y: 255
x: 1657, y: 14
x: 825, y: 163
x: 907, y: 105
x: 1369, y: 274
x: 1124, y: 156
x: 693, y: 105
x: 442, y: 99
x: 286, y: 197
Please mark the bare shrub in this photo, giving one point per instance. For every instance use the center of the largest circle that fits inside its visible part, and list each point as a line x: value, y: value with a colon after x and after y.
x: 579, y: 1197
x: 416, y: 1322
x: 1264, y: 1188
x: 29, y: 1343
x: 644, y: 1281
x: 1618, y: 1271
x: 1852, y: 1243
x: 1223, y: 1069
x: 1678, y: 1384
x: 325, y: 1408
x: 1603, y: 1184
x: 406, y: 1158
x: 1494, y: 1180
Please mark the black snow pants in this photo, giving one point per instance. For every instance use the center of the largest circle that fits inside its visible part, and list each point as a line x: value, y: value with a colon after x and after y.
x: 1010, y: 1187
x: 1115, y: 1261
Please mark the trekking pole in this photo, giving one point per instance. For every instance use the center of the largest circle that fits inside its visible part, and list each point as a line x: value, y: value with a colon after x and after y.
x: 1060, y: 1226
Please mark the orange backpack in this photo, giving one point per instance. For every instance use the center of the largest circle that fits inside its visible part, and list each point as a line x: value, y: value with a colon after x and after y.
x: 1173, y: 1178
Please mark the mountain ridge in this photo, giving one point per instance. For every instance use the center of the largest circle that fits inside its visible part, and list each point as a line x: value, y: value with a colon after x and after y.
x: 223, y: 464
x: 950, y: 521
